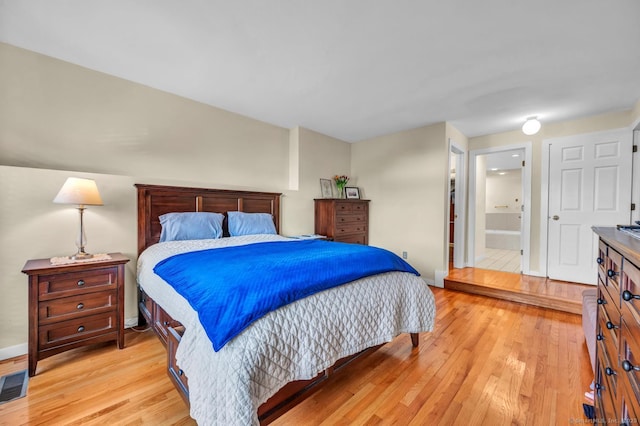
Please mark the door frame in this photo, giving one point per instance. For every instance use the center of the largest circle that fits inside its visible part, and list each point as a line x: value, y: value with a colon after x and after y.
x: 525, y: 236
x: 460, y: 207
x: 544, y: 192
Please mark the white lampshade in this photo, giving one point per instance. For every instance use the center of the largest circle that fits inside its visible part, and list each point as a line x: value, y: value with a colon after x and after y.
x: 531, y: 126
x: 83, y: 192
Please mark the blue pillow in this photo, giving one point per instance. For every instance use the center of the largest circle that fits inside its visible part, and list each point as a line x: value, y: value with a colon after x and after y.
x: 241, y: 223
x: 191, y: 226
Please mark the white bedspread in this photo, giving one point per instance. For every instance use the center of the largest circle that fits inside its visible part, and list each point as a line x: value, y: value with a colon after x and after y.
x: 292, y: 343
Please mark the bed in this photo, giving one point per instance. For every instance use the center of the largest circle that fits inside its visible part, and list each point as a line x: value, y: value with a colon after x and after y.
x: 285, y: 355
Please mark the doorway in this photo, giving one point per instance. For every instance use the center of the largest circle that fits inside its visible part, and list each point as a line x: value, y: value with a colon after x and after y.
x: 456, y: 203
x: 499, y: 208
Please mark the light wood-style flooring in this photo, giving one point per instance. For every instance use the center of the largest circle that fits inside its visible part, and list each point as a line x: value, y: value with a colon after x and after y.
x: 537, y: 291
x: 487, y: 362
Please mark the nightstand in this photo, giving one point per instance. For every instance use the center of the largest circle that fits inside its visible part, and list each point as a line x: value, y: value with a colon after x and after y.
x: 73, y: 305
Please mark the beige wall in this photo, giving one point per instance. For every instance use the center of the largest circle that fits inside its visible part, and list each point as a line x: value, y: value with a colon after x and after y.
x: 58, y: 120
x: 549, y: 130
x: 319, y: 156
x: 405, y: 175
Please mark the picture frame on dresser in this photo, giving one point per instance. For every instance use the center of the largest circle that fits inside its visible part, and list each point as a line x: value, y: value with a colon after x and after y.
x: 352, y: 192
x: 325, y: 188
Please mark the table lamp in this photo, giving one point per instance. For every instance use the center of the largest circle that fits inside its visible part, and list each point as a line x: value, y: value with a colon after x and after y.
x: 82, y: 192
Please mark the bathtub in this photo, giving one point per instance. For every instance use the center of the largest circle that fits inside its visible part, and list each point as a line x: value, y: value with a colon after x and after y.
x: 504, y: 240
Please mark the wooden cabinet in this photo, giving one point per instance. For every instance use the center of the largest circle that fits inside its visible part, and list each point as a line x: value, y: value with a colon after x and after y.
x: 617, y: 381
x: 74, y: 305
x: 343, y: 220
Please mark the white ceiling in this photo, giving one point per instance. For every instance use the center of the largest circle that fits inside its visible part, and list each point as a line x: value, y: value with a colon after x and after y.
x: 354, y: 69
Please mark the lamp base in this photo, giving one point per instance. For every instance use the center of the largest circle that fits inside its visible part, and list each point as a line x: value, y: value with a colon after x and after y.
x: 81, y: 256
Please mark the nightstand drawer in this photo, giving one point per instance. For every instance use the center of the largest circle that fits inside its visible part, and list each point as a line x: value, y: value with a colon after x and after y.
x: 60, y: 285
x: 77, y: 329
x: 77, y: 306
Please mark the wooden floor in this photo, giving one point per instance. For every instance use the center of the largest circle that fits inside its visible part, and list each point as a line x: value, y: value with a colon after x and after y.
x: 537, y: 291
x: 487, y: 362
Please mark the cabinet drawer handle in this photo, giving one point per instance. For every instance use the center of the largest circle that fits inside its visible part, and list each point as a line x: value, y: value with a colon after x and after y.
x: 609, y: 371
x: 180, y: 372
x: 611, y: 326
x: 599, y: 337
x: 80, y: 283
x: 611, y: 273
x: 599, y: 387
x: 627, y: 296
x: 80, y: 305
x: 601, y: 301
x: 600, y: 261
x: 81, y: 329
x: 166, y: 323
x: 627, y: 366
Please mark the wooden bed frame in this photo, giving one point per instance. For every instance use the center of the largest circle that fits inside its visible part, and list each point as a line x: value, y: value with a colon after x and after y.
x: 156, y: 200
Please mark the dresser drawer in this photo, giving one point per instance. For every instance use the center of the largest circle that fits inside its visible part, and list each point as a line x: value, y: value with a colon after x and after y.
x: 350, y: 228
x: 630, y: 356
x: 614, y: 268
x: 604, y: 394
x: 351, y: 218
x: 60, y: 285
x: 77, y: 306
x: 69, y: 331
x: 353, y: 239
x: 630, y: 305
x: 608, y: 328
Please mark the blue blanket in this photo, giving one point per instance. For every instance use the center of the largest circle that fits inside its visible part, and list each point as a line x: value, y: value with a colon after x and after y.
x: 231, y: 287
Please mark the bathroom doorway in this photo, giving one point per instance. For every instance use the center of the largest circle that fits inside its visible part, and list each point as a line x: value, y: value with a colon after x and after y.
x: 499, y: 222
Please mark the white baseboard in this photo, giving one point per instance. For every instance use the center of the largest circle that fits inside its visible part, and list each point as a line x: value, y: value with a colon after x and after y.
x: 14, y: 351
x: 440, y: 275
x: 536, y: 274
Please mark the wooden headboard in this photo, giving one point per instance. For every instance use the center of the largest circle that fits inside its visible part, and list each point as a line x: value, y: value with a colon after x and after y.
x: 156, y: 200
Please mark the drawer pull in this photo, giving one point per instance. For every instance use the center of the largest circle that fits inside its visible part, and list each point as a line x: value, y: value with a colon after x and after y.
x: 609, y: 371
x: 80, y: 305
x: 600, y: 261
x: 165, y: 323
x: 611, y: 326
x: 80, y: 283
x: 601, y: 301
x: 81, y: 329
x: 180, y: 372
x: 599, y: 387
x: 627, y: 295
x: 599, y: 337
x: 611, y: 273
x: 627, y: 366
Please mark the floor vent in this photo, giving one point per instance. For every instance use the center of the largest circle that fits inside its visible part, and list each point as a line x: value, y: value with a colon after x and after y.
x: 13, y: 386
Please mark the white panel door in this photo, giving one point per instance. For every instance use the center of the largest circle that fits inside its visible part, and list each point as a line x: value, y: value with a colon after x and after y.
x: 589, y: 185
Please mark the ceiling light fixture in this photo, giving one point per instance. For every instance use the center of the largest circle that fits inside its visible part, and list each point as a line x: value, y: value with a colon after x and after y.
x: 531, y: 126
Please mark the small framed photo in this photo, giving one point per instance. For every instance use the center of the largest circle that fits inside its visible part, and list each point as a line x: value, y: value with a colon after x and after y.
x: 352, y: 192
x: 325, y: 188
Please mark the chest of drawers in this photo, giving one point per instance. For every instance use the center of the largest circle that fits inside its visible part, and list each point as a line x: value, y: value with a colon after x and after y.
x: 617, y: 381
x: 343, y: 220
x: 74, y: 305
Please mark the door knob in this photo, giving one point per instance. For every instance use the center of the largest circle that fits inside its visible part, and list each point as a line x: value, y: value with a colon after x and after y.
x: 555, y: 217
